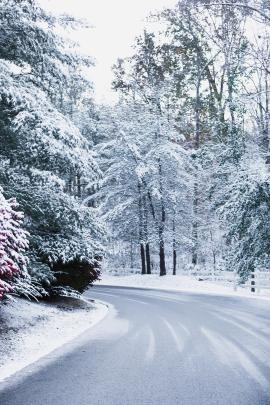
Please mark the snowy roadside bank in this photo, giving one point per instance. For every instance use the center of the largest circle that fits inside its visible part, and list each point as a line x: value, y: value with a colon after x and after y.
x: 30, y: 331
x: 177, y: 283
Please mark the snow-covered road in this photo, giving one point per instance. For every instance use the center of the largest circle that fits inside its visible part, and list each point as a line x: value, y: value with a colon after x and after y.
x: 159, y: 347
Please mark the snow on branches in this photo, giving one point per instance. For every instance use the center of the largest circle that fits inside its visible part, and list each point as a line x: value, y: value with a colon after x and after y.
x: 13, y: 243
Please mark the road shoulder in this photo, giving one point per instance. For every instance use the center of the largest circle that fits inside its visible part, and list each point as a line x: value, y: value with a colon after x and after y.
x: 30, y: 331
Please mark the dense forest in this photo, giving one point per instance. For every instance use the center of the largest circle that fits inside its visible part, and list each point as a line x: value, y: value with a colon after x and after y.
x: 174, y: 175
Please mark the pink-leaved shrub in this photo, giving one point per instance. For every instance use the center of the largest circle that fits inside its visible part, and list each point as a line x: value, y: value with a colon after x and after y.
x: 13, y: 243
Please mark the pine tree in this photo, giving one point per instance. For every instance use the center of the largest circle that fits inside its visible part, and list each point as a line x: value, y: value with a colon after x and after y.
x: 13, y: 244
x: 46, y: 162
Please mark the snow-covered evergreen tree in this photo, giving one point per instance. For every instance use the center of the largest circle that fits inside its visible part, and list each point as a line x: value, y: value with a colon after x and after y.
x: 45, y: 160
x: 245, y: 211
x: 13, y: 244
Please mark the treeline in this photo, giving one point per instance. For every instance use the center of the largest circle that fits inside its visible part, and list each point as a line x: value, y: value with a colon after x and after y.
x: 176, y: 173
x: 46, y: 128
x: 185, y: 152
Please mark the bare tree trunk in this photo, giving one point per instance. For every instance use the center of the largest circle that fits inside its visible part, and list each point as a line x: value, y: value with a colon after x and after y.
x: 148, y: 258
x: 69, y: 186
x: 131, y: 255
x: 146, y: 238
x: 266, y: 126
x: 195, y: 226
x: 174, y: 261
x: 263, y: 114
x: 213, y: 250
x: 70, y: 183
x: 141, y: 238
x: 79, y: 186
x: 196, y: 146
x: 162, y: 263
x: 142, y: 258
x: 174, y: 250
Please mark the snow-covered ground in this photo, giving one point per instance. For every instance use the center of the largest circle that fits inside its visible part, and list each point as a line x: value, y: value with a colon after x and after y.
x: 179, y: 283
x: 29, y: 331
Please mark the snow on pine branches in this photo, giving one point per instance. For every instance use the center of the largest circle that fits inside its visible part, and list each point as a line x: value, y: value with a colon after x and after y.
x: 46, y: 158
x: 13, y: 243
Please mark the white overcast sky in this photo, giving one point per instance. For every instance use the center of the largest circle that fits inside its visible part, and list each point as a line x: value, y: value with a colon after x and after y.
x: 116, y: 23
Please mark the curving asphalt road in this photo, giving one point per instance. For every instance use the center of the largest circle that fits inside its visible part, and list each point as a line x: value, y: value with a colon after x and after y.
x: 158, y: 348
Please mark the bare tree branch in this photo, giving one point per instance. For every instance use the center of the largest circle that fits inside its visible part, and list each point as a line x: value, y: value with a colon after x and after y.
x: 240, y: 5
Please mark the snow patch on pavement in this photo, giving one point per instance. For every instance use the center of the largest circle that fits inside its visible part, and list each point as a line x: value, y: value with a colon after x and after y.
x: 151, y: 349
x: 30, y: 331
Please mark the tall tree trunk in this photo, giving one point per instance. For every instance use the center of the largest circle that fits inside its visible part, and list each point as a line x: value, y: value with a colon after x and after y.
x: 131, y: 255
x: 174, y: 261
x: 79, y: 186
x: 162, y: 263
x: 213, y: 251
x: 146, y: 239
x: 148, y: 258
x: 196, y: 146
x: 266, y: 126
x: 263, y: 113
x: 174, y: 250
x: 195, y: 226
x: 143, y: 258
x: 141, y: 225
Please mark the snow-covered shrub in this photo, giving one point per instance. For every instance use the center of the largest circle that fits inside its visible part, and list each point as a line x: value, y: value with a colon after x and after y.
x: 76, y: 274
x: 13, y: 243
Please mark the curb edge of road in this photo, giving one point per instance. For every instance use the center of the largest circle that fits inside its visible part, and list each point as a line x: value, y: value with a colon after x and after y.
x: 19, y: 375
x: 192, y: 292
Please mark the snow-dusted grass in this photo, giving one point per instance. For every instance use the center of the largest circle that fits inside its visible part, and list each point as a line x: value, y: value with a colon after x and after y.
x: 29, y: 331
x: 178, y: 283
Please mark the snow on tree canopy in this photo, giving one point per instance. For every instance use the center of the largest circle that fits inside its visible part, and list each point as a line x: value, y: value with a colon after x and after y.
x: 45, y: 160
x: 43, y: 135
